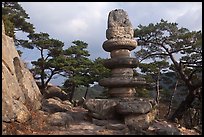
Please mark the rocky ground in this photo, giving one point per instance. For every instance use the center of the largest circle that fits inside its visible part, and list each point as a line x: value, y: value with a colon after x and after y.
x: 58, y: 117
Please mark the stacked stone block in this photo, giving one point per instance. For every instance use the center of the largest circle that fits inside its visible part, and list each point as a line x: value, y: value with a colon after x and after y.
x: 120, y: 42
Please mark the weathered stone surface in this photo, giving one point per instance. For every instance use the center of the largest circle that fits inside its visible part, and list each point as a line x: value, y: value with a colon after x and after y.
x: 121, y: 92
x: 67, y: 102
x: 20, y: 93
x: 52, y: 105
x: 120, y: 53
x: 27, y: 83
x: 140, y: 122
x: 133, y: 107
x: 122, y: 72
x: 164, y: 128
x: 22, y: 113
x: 101, y: 108
x: 119, y: 32
x: 122, y: 43
x: 118, y: 18
x: 79, y: 115
x: 124, y: 62
x: 121, y: 82
x: 8, y: 71
x: 54, y: 91
x: 60, y: 119
x: 8, y: 97
x: 8, y: 53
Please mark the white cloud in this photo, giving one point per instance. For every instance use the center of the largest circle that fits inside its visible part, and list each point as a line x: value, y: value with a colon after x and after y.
x: 78, y: 27
x: 192, y: 18
x: 87, y: 21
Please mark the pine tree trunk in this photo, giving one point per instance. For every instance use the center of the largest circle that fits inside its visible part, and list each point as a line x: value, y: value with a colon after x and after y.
x: 157, y: 87
x: 42, y: 86
x: 183, y: 106
x: 42, y: 74
x: 87, y: 88
x: 171, y: 101
x: 42, y: 80
x: 72, y: 93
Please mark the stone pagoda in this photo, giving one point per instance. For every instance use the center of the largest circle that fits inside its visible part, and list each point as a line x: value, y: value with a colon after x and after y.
x: 120, y: 42
x: 122, y: 104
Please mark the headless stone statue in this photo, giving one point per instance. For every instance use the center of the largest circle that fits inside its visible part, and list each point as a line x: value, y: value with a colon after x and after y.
x: 118, y: 18
x: 119, y: 25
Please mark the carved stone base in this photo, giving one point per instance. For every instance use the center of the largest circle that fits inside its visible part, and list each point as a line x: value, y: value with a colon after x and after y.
x: 134, y: 112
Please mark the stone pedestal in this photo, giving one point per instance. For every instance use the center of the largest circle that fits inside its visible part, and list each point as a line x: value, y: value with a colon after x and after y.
x: 135, y: 113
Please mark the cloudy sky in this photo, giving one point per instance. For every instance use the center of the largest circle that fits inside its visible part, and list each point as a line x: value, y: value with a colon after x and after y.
x: 87, y: 21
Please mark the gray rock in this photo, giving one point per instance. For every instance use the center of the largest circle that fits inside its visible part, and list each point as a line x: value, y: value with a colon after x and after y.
x: 60, y: 119
x: 133, y: 107
x: 140, y: 122
x: 198, y: 128
x: 54, y: 91
x: 168, y: 131
x: 22, y: 113
x: 99, y: 122
x: 101, y: 108
x: 27, y: 84
x: 164, y: 128
x: 20, y: 94
x: 52, y: 105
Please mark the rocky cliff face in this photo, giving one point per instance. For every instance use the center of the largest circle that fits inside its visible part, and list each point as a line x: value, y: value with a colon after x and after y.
x: 20, y: 93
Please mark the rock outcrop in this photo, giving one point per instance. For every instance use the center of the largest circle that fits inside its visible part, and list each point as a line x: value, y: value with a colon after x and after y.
x: 54, y: 91
x: 20, y: 93
x: 52, y: 105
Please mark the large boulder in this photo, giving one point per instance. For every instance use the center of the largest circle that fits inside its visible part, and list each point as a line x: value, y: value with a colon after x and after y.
x: 53, y: 105
x: 20, y: 93
x: 139, y: 123
x: 101, y: 108
x: 164, y: 128
x: 137, y: 106
x: 54, y: 91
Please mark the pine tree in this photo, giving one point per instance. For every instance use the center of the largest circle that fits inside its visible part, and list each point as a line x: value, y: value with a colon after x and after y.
x: 77, y: 66
x: 51, y: 60
x: 15, y: 19
x: 163, y: 41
